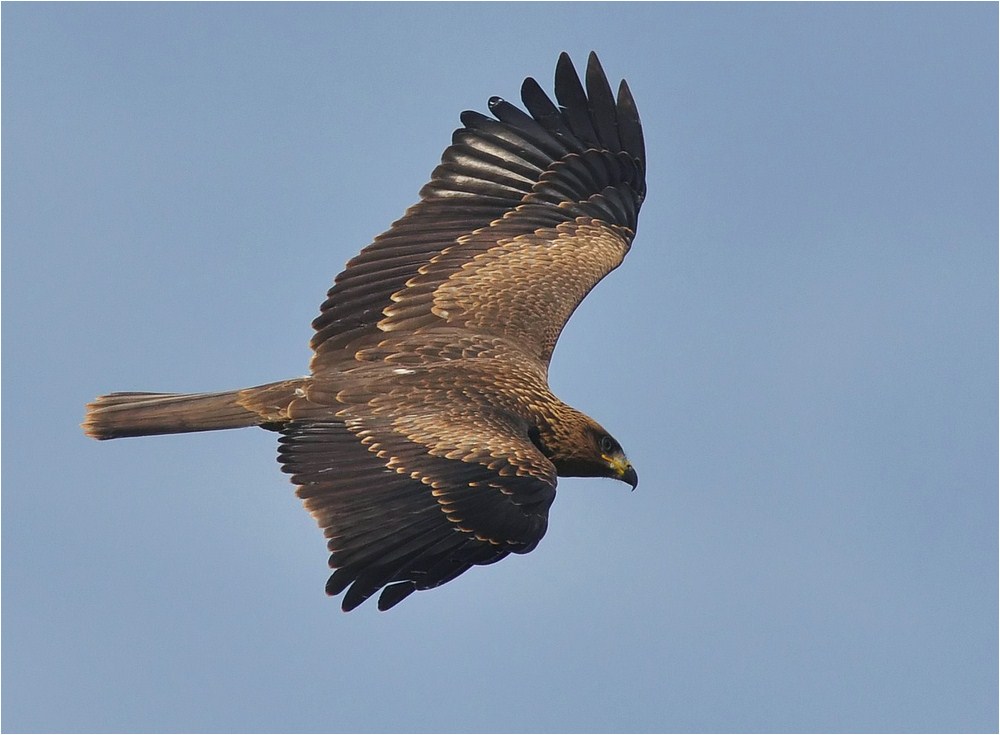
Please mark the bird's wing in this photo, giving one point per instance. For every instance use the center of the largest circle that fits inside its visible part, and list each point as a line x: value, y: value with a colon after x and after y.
x: 522, y: 218
x: 410, y: 500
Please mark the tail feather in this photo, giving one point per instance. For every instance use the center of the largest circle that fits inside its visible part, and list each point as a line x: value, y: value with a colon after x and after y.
x: 141, y: 414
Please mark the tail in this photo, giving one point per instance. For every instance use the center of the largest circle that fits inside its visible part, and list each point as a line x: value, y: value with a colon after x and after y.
x: 141, y: 414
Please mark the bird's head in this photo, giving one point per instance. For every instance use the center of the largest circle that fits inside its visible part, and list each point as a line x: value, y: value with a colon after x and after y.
x: 581, y: 447
x: 611, y: 459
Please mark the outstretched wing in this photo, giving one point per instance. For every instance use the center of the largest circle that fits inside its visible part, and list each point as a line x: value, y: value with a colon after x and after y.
x: 410, y: 503
x: 522, y: 218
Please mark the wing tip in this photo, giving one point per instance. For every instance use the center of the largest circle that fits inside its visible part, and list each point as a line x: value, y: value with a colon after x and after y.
x: 595, y: 110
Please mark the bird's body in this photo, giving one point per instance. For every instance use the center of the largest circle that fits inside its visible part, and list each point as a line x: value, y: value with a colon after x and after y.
x: 426, y: 439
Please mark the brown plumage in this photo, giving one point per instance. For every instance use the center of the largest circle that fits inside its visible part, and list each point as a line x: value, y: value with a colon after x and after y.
x: 426, y: 439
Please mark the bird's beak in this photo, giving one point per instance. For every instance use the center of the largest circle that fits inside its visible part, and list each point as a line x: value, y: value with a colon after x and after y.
x: 623, y: 470
x: 630, y: 477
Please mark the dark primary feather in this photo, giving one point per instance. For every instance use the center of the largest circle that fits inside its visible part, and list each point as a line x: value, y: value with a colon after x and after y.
x: 629, y: 127
x: 603, y: 110
x: 574, y: 104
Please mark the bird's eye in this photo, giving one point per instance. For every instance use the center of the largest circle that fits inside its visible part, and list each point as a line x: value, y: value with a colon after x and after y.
x: 607, y: 444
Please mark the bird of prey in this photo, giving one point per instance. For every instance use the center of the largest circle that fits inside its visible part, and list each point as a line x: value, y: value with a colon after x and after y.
x: 426, y: 440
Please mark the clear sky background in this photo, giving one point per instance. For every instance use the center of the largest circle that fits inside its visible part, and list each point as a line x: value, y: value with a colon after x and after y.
x: 799, y: 354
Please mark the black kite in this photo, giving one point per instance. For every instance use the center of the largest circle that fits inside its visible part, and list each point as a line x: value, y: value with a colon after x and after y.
x: 426, y: 439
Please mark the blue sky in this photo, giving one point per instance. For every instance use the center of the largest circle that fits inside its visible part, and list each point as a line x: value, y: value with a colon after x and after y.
x: 799, y: 354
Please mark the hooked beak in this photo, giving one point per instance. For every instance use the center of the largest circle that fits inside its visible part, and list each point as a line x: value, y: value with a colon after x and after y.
x: 623, y: 470
x: 630, y: 477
